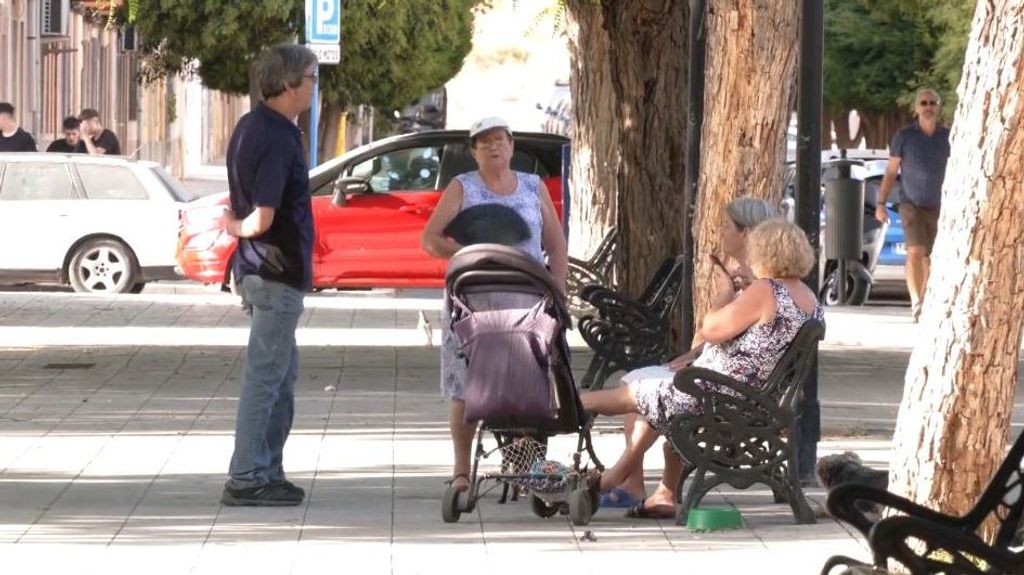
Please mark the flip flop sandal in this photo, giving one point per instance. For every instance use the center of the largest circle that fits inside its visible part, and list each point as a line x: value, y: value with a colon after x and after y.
x: 618, y: 497
x: 654, y: 512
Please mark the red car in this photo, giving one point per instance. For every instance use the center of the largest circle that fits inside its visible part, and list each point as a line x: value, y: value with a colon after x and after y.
x: 370, y: 206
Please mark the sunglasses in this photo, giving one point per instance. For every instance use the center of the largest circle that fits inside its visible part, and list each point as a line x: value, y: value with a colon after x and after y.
x: 928, y: 103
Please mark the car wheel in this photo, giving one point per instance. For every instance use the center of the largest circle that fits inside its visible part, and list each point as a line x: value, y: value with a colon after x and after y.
x: 858, y: 286
x: 103, y: 266
x: 137, y: 288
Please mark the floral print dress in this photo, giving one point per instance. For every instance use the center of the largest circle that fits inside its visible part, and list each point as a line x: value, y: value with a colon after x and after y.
x: 749, y: 358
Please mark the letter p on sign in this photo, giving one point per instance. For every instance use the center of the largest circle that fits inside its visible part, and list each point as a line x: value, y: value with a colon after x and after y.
x: 324, y: 21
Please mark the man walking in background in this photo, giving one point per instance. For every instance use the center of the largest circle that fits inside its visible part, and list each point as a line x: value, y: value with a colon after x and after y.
x: 98, y: 140
x: 271, y: 215
x: 918, y: 153
x: 12, y: 137
x: 72, y: 142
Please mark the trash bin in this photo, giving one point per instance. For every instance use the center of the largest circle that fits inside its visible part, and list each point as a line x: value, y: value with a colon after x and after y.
x: 844, y: 213
x: 844, y: 222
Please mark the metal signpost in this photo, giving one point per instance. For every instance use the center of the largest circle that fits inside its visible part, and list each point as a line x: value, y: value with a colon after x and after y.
x: 323, y: 37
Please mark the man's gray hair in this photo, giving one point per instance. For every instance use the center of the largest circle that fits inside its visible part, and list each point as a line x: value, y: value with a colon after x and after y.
x: 282, y: 65
x: 747, y: 212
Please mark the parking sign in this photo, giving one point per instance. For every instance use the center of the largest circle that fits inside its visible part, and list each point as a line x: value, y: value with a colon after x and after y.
x: 323, y: 21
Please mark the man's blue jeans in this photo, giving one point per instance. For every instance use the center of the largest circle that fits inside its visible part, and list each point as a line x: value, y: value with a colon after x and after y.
x: 266, y: 402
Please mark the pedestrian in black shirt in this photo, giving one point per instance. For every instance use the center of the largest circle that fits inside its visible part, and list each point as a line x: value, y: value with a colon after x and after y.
x: 271, y: 215
x: 72, y: 142
x: 98, y: 140
x: 12, y: 137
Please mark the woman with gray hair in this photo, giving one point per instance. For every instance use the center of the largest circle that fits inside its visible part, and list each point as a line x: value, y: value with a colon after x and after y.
x: 746, y: 339
x: 741, y: 216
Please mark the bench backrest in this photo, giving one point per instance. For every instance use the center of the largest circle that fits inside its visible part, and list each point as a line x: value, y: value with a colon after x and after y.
x: 601, y: 261
x: 661, y: 293
x: 1003, y: 497
x: 787, y: 379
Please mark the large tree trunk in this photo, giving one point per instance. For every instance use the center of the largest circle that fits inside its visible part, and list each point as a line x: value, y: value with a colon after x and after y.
x: 648, y: 63
x: 751, y: 67
x: 595, y: 145
x: 953, y: 422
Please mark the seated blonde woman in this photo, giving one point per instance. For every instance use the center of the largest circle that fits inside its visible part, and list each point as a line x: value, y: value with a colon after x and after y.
x: 744, y: 339
x: 741, y: 216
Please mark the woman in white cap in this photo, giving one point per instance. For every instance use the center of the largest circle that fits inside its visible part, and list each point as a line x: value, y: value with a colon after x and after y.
x: 494, y: 182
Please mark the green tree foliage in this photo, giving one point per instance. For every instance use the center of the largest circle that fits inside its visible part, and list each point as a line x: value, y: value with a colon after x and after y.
x: 878, y: 52
x: 392, y: 52
x: 952, y: 18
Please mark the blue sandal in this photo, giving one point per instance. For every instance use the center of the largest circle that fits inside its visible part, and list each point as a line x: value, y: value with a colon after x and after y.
x: 618, y: 497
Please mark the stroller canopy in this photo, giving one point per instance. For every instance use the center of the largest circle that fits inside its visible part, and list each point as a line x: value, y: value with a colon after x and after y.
x: 495, y: 263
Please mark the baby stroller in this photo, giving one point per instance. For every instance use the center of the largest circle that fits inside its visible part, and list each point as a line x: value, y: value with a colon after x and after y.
x: 512, y: 349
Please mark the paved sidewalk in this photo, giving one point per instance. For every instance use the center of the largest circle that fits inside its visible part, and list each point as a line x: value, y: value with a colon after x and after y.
x: 116, y: 420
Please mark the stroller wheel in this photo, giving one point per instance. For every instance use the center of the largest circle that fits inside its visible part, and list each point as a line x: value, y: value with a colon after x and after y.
x: 450, y: 510
x: 581, y: 507
x: 541, y: 508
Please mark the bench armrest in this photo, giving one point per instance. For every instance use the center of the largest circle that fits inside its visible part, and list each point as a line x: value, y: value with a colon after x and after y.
x: 686, y: 381
x: 734, y: 426
x: 888, y: 539
x: 842, y: 504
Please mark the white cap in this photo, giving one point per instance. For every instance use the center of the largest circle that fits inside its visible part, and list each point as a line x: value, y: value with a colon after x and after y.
x: 488, y: 124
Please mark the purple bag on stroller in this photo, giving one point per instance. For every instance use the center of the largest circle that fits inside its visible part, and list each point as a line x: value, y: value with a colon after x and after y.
x: 507, y: 353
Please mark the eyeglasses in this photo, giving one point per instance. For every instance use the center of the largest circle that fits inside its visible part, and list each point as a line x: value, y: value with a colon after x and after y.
x: 492, y: 141
x: 928, y: 103
x: 312, y: 76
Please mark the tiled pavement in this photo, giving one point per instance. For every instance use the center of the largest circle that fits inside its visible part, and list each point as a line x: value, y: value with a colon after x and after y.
x: 116, y: 419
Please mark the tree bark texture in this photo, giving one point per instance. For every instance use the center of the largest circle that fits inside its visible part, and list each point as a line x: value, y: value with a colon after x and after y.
x: 595, y: 146
x: 648, y: 47
x: 749, y: 80
x: 952, y: 428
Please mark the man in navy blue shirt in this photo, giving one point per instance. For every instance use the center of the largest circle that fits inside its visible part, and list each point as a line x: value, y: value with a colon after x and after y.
x: 271, y: 216
x: 918, y: 153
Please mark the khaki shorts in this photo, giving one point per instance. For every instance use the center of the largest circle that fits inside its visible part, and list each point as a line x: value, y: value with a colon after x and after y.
x: 920, y: 225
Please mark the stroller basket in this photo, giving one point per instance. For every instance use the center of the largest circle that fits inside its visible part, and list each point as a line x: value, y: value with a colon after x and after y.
x: 524, y: 464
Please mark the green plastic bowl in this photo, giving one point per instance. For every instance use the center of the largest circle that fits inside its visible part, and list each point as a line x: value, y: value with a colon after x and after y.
x: 713, y: 519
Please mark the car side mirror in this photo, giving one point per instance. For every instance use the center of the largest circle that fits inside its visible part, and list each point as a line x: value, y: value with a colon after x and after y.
x: 346, y: 185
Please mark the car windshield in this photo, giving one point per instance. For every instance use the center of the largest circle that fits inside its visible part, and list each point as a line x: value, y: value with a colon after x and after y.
x: 173, y: 186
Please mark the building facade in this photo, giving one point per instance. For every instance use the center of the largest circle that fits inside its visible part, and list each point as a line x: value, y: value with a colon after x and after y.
x: 82, y: 60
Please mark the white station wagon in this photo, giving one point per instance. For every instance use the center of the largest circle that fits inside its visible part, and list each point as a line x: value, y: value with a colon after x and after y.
x: 99, y: 223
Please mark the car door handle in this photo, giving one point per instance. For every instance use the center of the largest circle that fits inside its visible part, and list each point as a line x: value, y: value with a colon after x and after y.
x: 417, y: 210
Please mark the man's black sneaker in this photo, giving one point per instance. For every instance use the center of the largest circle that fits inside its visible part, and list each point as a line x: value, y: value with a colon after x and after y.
x: 269, y: 495
x: 292, y: 488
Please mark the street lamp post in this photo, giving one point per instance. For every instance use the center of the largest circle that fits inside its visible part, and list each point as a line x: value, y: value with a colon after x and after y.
x: 808, y: 201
